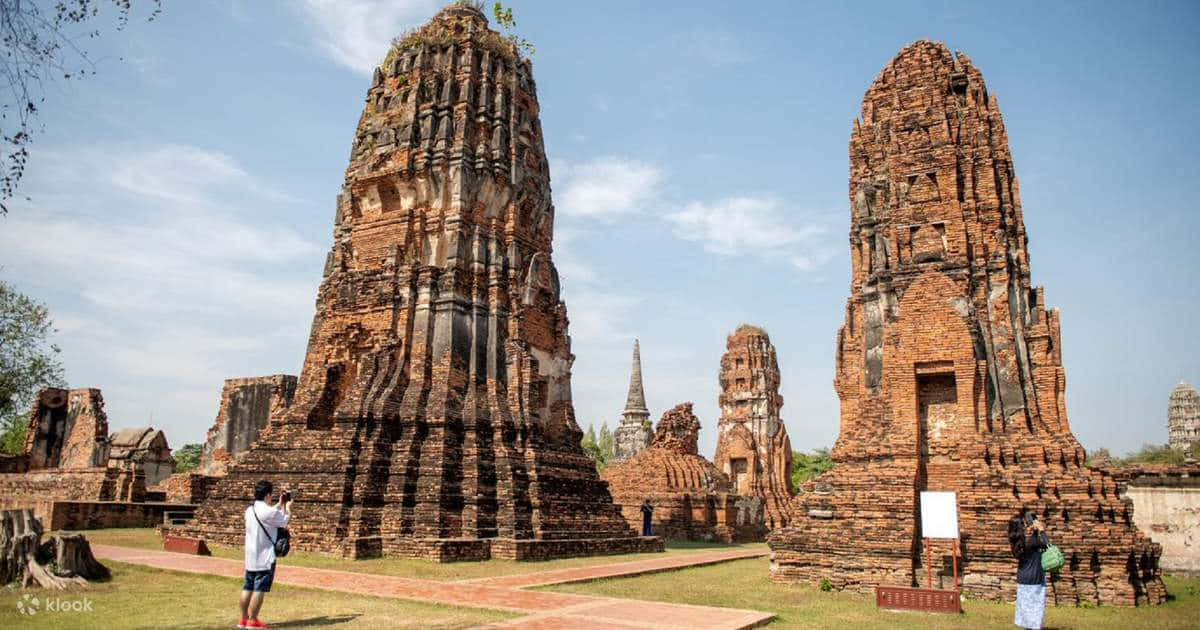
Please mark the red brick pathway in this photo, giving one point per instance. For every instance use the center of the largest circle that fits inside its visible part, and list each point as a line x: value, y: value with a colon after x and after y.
x: 543, y: 610
x: 621, y: 569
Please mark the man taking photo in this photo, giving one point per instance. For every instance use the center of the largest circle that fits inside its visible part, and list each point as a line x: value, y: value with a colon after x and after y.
x: 263, y: 521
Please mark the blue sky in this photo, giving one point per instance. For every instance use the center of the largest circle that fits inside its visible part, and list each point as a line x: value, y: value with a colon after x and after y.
x: 182, y: 198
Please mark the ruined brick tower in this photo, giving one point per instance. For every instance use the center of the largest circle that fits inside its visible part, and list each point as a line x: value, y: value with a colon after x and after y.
x: 634, y: 434
x: 433, y: 416
x: 752, y: 443
x: 949, y: 366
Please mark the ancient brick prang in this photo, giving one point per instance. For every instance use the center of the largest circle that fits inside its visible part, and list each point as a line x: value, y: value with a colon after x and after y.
x: 67, y: 429
x: 142, y: 447
x: 692, y: 499
x: 634, y: 433
x: 247, y: 404
x: 949, y: 366
x: 1183, y: 416
x: 433, y: 415
x: 752, y: 444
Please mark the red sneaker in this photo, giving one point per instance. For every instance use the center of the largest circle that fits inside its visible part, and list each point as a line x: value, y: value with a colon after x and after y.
x: 256, y: 624
x: 242, y: 624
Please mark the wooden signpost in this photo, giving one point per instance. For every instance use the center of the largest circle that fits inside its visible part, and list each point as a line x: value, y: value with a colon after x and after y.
x: 939, y: 521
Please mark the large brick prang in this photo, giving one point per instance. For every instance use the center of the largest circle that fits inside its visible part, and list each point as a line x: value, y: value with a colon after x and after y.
x: 949, y: 367
x: 433, y: 414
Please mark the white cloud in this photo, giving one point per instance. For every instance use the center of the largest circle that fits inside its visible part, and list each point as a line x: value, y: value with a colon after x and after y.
x: 752, y: 226
x: 183, y: 174
x: 606, y: 187
x: 167, y: 269
x: 357, y: 33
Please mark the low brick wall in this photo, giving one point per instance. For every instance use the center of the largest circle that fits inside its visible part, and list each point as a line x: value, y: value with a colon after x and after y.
x: 74, y: 515
x: 57, y: 483
x: 532, y: 550
x: 439, y: 549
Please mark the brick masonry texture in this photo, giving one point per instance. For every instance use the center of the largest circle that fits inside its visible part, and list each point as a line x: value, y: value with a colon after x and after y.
x: 949, y: 366
x: 753, y: 448
x: 692, y: 499
x: 433, y: 414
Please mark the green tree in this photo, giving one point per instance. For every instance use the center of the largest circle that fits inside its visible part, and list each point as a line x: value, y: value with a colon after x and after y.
x: 805, y: 466
x: 187, y: 457
x: 607, y: 443
x: 28, y: 362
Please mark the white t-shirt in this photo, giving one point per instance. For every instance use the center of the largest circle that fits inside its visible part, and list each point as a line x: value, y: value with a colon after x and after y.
x: 260, y: 551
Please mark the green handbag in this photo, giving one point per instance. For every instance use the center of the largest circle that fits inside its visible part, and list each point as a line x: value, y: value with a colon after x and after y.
x: 1052, y: 559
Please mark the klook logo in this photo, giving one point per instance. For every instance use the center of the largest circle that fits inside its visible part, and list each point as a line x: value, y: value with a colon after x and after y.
x: 29, y: 604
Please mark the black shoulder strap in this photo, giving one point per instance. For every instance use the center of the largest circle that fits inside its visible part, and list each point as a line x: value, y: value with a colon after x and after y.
x: 260, y: 524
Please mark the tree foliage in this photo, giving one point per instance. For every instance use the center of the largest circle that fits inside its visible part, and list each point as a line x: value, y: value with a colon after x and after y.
x: 28, y: 362
x: 504, y: 18
x: 1149, y: 454
x: 599, y: 447
x: 805, y: 466
x: 43, y: 43
x: 187, y: 457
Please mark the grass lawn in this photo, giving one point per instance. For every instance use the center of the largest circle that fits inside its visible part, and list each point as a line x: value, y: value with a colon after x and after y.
x: 744, y: 584
x: 145, y: 538
x: 141, y: 597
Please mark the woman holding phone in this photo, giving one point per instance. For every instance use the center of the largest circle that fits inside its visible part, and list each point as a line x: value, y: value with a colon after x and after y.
x: 1027, y: 537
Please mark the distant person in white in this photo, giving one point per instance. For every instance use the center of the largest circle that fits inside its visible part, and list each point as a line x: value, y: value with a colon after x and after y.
x: 263, y: 521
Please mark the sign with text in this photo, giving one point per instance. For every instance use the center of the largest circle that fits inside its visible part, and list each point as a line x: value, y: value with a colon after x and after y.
x: 939, y: 515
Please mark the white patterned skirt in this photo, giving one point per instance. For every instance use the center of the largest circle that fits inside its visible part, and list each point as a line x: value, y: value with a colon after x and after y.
x: 1031, y: 606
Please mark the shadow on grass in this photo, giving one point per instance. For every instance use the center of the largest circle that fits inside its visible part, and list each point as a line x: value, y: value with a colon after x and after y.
x: 312, y: 622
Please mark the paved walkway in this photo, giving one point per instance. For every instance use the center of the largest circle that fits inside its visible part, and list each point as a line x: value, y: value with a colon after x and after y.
x: 542, y: 610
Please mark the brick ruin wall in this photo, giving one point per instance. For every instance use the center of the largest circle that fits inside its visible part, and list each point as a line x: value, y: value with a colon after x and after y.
x: 692, y: 499
x: 753, y: 448
x: 247, y: 404
x: 949, y: 367
x: 66, y: 454
x: 434, y: 406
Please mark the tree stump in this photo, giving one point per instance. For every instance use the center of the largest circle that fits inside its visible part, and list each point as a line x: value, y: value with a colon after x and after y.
x: 73, y: 557
x: 21, y: 548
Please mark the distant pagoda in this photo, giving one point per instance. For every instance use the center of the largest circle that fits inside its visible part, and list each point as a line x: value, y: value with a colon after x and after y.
x: 634, y: 435
x: 1183, y: 416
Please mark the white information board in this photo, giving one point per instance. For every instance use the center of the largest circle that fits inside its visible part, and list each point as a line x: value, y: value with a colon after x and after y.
x: 939, y: 515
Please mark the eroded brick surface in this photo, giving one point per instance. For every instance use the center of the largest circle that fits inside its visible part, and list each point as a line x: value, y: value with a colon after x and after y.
x: 692, y: 499
x: 949, y: 366
x: 247, y: 404
x: 434, y: 407
x: 753, y: 448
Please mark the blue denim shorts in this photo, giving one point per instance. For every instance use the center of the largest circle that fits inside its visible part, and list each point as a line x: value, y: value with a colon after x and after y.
x: 259, y: 581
